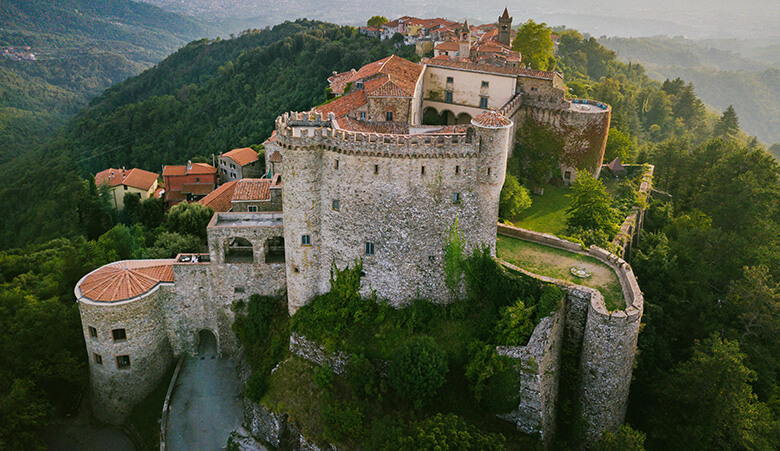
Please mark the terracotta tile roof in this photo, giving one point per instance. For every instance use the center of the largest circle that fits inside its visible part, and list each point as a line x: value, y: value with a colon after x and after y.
x: 344, y: 105
x: 338, y: 82
x: 275, y: 157
x: 197, y: 189
x: 174, y: 195
x: 271, y: 139
x: 489, y: 68
x: 402, y: 73
x: 448, y: 46
x: 124, y: 280
x: 252, y: 189
x: 491, y: 119
x: 242, y: 156
x: 220, y: 199
x: 137, y: 178
x: 196, y: 168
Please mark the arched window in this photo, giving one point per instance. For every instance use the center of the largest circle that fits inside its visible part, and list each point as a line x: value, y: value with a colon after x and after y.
x: 239, y: 250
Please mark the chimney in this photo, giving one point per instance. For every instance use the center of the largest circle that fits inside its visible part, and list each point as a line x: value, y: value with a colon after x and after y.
x: 189, y: 165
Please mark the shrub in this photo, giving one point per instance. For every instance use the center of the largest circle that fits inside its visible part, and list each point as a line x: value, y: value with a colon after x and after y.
x: 342, y: 420
x: 417, y: 370
x: 256, y: 386
x: 492, y: 378
x: 515, y: 325
x: 550, y: 301
x: 362, y: 377
x: 514, y: 198
x: 449, y: 432
x: 323, y: 377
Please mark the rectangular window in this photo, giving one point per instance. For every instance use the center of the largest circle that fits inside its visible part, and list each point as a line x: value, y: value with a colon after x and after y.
x: 98, y: 358
x: 448, y: 96
x: 457, y: 169
x: 305, y: 240
x: 376, y: 169
x: 455, y: 198
x: 197, y: 179
x: 484, y: 84
x: 488, y: 171
x: 336, y: 165
x: 335, y: 204
x: 389, y: 116
x: 123, y: 361
x: 422, y: 170
x: 238, y: 289
x: 92, y: 332
x: 483, y: 102
x: 252, y: 208
x: 369, y: 248
x: 125, y: 186
x: 449, y: 79
x: 119, y: 334
x: 363, y: 115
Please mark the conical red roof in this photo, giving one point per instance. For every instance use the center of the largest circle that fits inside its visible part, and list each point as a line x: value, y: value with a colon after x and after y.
x: 124, y: 280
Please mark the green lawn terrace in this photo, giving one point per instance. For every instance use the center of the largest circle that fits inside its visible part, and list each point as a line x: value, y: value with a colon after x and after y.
x: 547, y: 213
x: 557, y: 264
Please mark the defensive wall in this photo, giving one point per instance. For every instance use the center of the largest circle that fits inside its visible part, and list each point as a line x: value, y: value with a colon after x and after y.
x: 582, y: 126
x: 628, y: 235
x: 387, y: 199
x: 607, y: 342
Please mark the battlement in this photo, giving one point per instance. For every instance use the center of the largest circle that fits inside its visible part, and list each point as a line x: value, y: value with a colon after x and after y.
x: 553, y: 104
x: 297, y: 130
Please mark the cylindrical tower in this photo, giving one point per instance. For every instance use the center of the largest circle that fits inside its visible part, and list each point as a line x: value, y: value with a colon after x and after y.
x: 124, y: 330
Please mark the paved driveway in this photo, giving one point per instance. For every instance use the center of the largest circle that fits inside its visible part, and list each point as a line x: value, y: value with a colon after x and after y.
x: 206, y: 404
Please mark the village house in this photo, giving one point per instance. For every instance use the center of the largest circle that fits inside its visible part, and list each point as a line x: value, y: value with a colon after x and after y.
x: 238, y: 164
x: 122, y: 181
x: 246, y: 195
x: 190, y: 182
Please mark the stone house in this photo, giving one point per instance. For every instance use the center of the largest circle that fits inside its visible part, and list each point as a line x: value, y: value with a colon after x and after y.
x: 246, y: 195
x: 238, y: 164
x: 122, y: 181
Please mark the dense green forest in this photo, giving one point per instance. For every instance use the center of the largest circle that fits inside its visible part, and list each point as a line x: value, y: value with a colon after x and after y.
x: 748, y: 79
x: 708, y: 262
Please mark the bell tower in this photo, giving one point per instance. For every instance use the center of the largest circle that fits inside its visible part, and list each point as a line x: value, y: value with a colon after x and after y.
x: 505, y: 28
x: 464, y: 42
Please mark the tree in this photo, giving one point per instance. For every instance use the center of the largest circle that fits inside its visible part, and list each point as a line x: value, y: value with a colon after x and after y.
x: 189, y: 218
x: 706, y: 402
x: 619, y: 145
x: 377, y: 21
x: 514, y: 198
x: 515, y: 326
x: 417, y: 370
x: 448, y: 432
x: 590, y: 207
x: 625, y: 439
x: 535, y: 45
x: 170, y: 244
x: 151, y: 212
x: 727, y: 126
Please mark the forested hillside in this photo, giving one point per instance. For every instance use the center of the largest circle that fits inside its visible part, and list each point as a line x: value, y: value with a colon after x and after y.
x: 81, y: 48
x: 721, y: 77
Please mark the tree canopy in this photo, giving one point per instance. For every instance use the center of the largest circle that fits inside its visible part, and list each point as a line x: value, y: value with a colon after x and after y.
x: 535, y: 45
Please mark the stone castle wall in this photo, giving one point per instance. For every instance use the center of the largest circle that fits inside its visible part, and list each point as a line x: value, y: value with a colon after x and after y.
x: 115, y: 391
x: 401, y: 193
x: 607, y: 339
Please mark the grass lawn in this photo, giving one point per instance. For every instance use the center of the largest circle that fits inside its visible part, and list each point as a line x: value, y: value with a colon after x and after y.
x: 556, y: 263
x: 547, y: 213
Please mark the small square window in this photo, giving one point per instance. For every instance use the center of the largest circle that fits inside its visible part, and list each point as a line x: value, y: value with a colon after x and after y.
x: 533, y: 89
x: 389, y: 116
x: 123, y: 361
x: 449, y: 79
x: 455, y: 198
x: 432, y: 258
x: 119, y: 334
x: 197, y: 179
x: 92, y: 332
x: 252, y: 208
x: 305, y: 240
x: 369, y: 248
x: 238, y: 289
x: 484, y: 84
x: 335, y: 204
x: 98, y: 359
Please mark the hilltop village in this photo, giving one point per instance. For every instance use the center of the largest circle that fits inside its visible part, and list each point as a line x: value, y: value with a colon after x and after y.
x: 378, y: 174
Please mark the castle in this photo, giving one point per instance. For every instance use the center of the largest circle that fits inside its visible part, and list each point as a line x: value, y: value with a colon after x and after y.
x: 380, y: 173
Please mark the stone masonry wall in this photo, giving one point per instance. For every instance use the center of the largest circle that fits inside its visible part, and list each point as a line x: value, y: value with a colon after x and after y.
x: 115, y: 391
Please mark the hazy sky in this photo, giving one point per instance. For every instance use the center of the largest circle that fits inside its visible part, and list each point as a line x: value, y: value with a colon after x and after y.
x: 759, y: 19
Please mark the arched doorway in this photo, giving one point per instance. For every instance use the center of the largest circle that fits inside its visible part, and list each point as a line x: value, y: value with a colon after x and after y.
x: 431, y: 116
x: 239, y: 250
x: 464, y: 118
x: 447, y: 118
x: 207, y: 343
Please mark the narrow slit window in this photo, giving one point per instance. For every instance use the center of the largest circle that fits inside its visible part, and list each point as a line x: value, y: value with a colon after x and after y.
x: 455, y: 198
x: 422, y: 170
x: 457, y: 169
x: 98, y: 359
x: 376, y: 169
x: 336, y: 165
x: 92, y: 332
x: 488, y: 171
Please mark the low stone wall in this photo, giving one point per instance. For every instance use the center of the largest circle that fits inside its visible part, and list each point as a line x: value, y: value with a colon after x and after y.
x: 608, y: 339
x: 166, y: 410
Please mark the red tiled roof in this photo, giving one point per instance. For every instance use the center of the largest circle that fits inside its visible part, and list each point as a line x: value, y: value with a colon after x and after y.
x: 196, y: 168
x: 197, y: 189
x: 448, y: 46
x: 338, y: 82
x: 125, y: 280
x: 275, y: 157
x: 220, y: 199
x: 491, y: 119
x: 344, y: 105
x: 252, y: 189
x: 174, y: 195
x: 242, y: 156
x: 403, y: 73
x: 271, y: 139
x: 137, y: 178
x: 489, y: 68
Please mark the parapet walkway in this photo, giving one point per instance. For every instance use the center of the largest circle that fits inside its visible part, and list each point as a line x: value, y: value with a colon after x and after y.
x: 206, y: 403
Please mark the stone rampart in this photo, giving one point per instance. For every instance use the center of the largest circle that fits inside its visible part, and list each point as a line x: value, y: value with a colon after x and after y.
x: 608, y: 339
x: 628, y: 235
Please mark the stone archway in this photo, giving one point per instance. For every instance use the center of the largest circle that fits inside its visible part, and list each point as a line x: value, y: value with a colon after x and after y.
x: 447, y: 118
x: 431, y: 116
x: 464, y: 118
x: 207, y: 343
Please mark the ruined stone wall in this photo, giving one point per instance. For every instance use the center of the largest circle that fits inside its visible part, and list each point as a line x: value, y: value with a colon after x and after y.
x: 628, y: 235
x: 607, y: 339
x: 115, y: 391
x: 399, y: 193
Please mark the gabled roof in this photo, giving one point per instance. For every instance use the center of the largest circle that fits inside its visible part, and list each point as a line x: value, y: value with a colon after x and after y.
x: 489, y: 68
x: 194, y: 169
x: 220, y: 199
x: 345, y: 104
x: 275, y: 157
x: 124, y: 280
x: 402, y: 73
x: 242, y: 156
x: 252, y: 189
x: 448, y: 46
x: 136, y: 178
